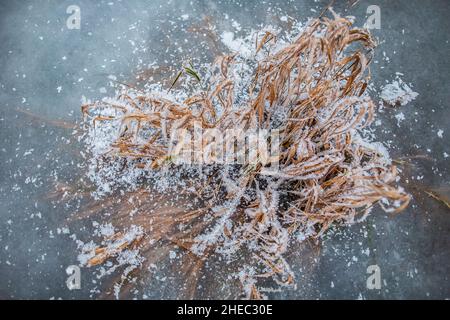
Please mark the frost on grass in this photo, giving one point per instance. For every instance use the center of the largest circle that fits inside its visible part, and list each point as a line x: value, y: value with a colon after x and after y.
x: 307, y: 85
x: 120, y: 247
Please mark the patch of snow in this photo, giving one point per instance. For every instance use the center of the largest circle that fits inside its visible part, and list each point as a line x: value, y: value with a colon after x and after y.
x: 397, y: 93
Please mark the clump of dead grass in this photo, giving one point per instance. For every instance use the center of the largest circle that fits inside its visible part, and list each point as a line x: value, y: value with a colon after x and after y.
x: 327, y: 175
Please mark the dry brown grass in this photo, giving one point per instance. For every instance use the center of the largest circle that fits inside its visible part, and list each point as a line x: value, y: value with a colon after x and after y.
x: 325, y: 177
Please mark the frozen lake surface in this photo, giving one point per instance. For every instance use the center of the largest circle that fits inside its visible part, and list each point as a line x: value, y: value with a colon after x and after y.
x: 46, y: 70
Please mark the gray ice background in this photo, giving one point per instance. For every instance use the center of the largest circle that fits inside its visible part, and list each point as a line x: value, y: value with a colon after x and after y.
x: 39, y: 54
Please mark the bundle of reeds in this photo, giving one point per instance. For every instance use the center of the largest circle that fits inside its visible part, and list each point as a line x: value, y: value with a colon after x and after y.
x: 313, y: 90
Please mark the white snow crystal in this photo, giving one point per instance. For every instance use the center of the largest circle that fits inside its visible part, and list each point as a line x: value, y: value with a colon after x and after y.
x: 400, y: 117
